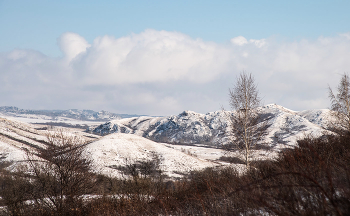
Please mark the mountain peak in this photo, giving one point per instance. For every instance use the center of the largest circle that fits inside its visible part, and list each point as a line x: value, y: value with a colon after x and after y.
x: 187, y: 113
x: 212, y: 128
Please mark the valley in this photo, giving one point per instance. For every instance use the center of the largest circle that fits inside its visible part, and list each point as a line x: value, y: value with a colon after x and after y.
x: 185, y: 142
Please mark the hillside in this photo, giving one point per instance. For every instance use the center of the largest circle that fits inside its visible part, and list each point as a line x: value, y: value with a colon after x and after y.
x: 285, y: 126
x: 107, y: 152
x: 16, y: 137
x: 184, y: 142
x: 124, y: 149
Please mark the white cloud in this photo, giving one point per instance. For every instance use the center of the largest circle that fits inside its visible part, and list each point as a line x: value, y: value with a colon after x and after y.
x: 160, y: 72
x: 240, y: 40
x: 346, y: 35
x: 258, y: 43
x: 72, y: 45
x: 151, y: 56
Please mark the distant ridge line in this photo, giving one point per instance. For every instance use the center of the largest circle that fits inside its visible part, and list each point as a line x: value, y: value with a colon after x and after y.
x: 86, y: 115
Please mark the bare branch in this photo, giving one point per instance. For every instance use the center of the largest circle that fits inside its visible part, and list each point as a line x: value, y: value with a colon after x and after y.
x: 246, y: 125
x: 340, y: 106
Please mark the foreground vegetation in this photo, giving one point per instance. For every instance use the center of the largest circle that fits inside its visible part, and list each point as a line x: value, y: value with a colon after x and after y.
x: 312, y: 179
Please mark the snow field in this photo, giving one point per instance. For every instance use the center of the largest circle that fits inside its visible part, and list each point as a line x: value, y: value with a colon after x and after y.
x: 116, y: 149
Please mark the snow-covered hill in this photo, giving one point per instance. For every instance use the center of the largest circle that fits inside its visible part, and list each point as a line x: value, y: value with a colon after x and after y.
x: 123, y: 149
x: 285, y: 126
x: 107, y: 152
x: 200, y: 135
x: 16, y: 137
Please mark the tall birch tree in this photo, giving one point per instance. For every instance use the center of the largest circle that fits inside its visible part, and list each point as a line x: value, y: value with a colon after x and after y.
x: 246, y: 126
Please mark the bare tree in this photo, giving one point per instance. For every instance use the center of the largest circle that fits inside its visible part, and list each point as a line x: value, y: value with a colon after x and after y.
x: 63, y: 174
x: 246, y: 125
x: 15, y: 189
x: 340, y: 105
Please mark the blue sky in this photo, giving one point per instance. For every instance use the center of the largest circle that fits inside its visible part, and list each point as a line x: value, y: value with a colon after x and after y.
x: 162, y: 57
x: 37, y: 24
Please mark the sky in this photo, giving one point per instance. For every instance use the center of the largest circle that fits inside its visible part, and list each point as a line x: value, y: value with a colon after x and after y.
x: 163, y: 57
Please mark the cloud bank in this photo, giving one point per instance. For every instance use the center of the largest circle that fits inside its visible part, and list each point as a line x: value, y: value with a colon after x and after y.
x: 161, y: 72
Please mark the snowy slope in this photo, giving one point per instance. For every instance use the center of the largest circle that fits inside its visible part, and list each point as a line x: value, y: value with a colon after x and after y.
x: 201, y: 134
x: 319, y: 117
x: 119, y: 149
x: 113, y: 150
x: 286, y: 126
x: 16, y: 137
x: 187, y: 128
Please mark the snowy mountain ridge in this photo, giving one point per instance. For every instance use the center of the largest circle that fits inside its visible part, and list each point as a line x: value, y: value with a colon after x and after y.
x: 285, y: 126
